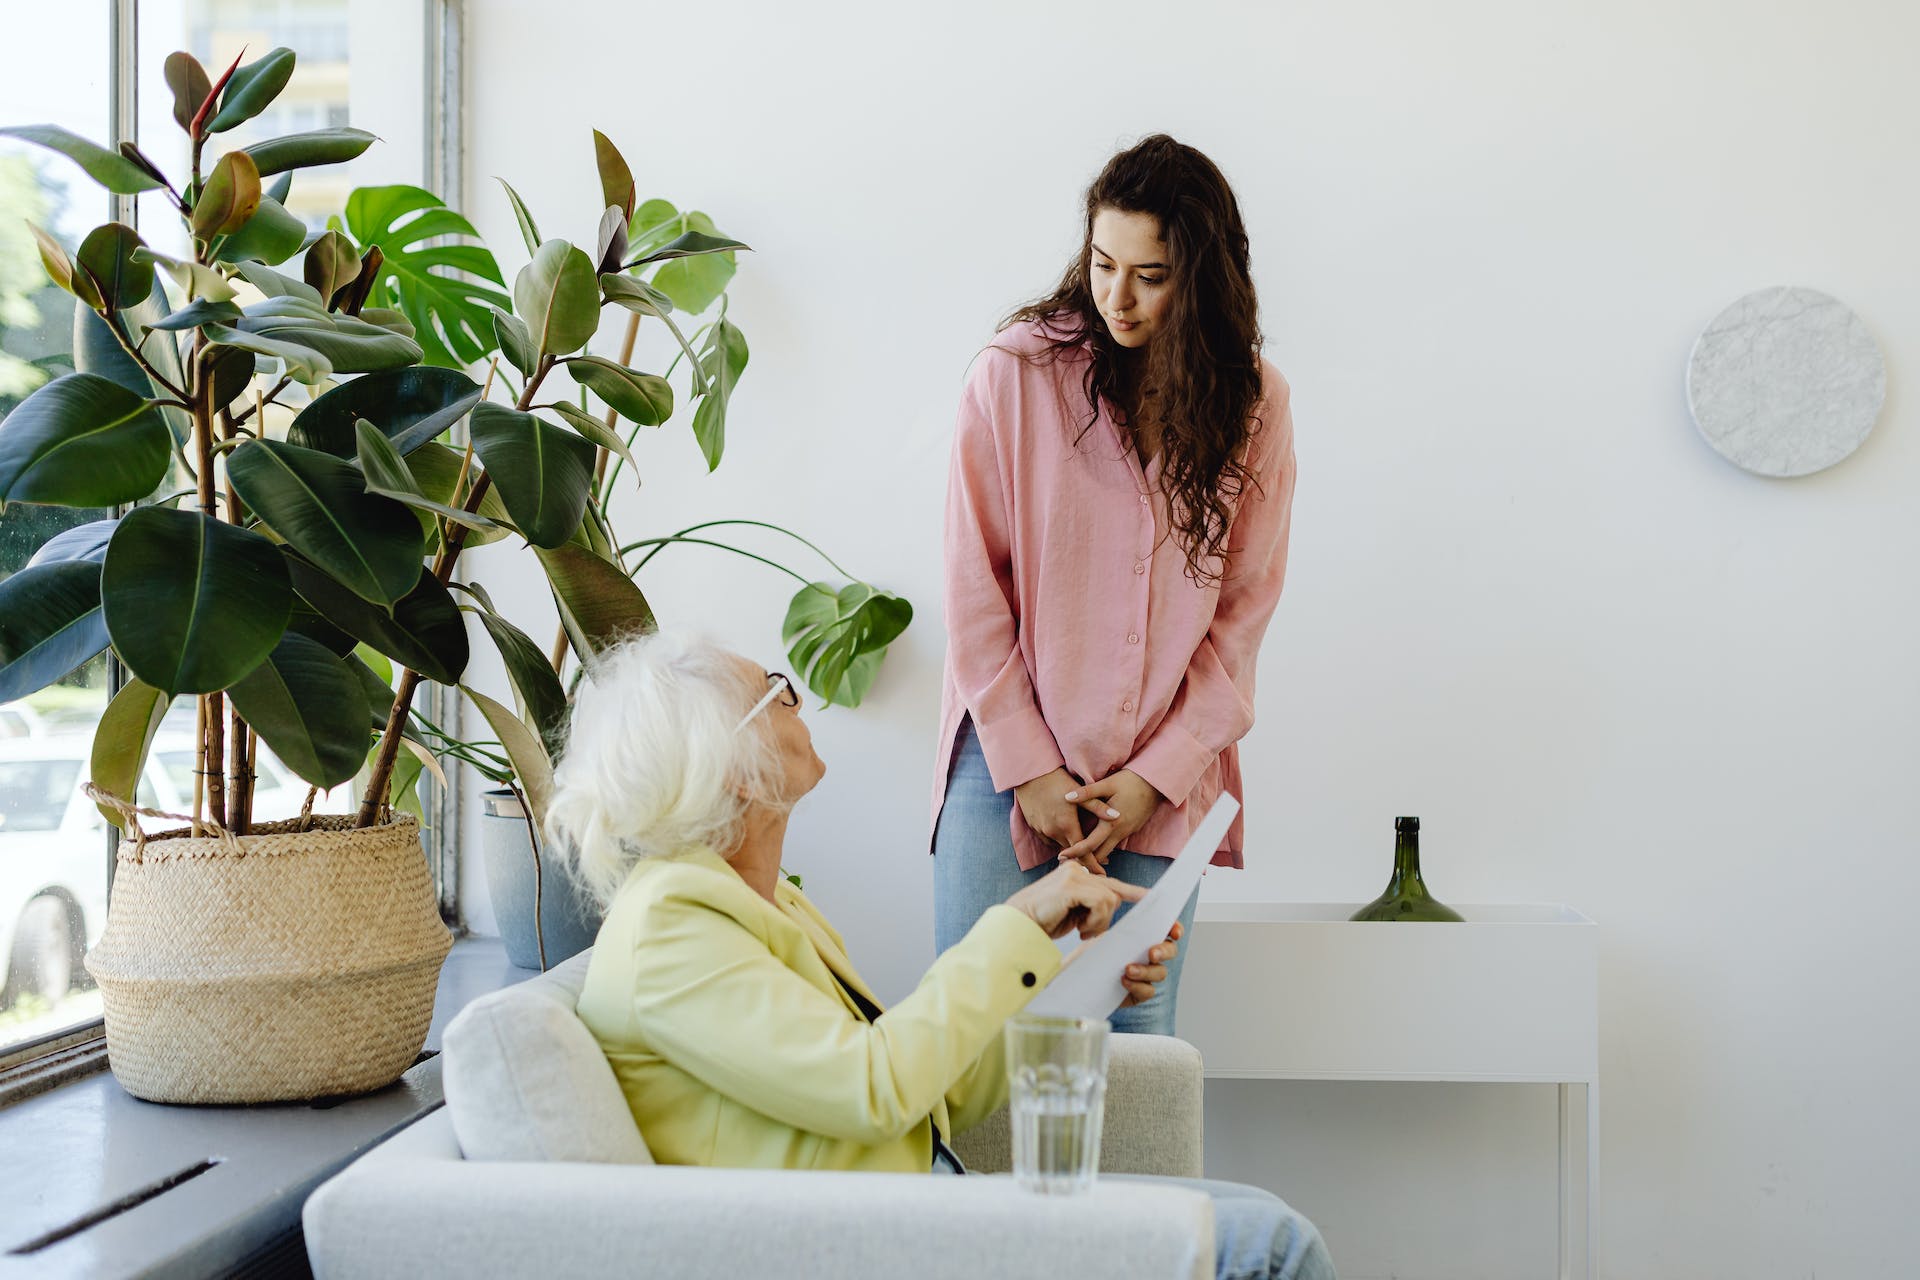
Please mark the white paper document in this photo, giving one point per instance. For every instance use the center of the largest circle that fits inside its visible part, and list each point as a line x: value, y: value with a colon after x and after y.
x: 1090, y: 986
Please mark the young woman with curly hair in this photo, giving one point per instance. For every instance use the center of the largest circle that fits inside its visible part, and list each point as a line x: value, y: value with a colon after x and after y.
x: 1116, y: 539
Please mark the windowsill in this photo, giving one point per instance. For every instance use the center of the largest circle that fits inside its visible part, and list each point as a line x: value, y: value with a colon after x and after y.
x: 89, y: 1143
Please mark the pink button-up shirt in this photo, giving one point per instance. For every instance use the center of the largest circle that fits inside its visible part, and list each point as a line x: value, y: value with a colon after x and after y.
x: 1074, y: 635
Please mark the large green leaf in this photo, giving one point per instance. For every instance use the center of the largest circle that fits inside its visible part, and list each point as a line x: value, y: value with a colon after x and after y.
x: 331, y: 264
x: 348, y: 343
x: 424, y: 631
x: 436, y: 471
x: 616, y: 179
x: 599, y: 605
x: 301, y: 150
x: 108, y: 168
x: 524, y: 217
x: 50, y: 623
x: 195, y: 280
x: 557, y: 296
x: 82, y: 542
x: 697, y: 273
x: 230, y: 372
x: 387, y: 476
x: 121, y: 742
x: 595, y: 430
x: 543, y: 703
x: 270, y: 235
x: 516, y: 344
x: 190, y: 85
x: 309, y: 707
x: 53, y: 256
x: 838, y: 638
x: 192, y: 604
x: 275, y: 284
x: 543, y: 473
x: 530, y: 760
x: 644, y: 398
x: 690, y: 244
x: 320, y: 505
x: 425, y: 280
x: 251, y: 89
x: 97, y: 350
x: 107, y: 259
x: 411, y: 406
x: 723, y: 360
x: 303, y: 363
x: 196, y: 313
x: 306, y: 621
x: 82, y: 441
x: 228, y: 198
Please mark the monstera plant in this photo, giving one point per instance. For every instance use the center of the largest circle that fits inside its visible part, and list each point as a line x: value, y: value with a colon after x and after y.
x: 275, y: 564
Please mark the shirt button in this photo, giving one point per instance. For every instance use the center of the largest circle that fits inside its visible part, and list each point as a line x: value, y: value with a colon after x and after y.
x: 1139, y: 567
x: 1027, y: 979
x: 1144, y: 499
x: 1133, y: 638
x: 1127, y: 705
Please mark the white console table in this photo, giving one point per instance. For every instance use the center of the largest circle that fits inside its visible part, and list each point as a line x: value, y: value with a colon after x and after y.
x: 1508, y: 997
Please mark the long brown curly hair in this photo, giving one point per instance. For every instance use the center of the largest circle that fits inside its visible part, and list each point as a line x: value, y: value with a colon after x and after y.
x: 1202, y: 370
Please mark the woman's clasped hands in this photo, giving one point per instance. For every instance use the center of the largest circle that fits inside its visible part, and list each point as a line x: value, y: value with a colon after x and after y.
x: 1121, y: 803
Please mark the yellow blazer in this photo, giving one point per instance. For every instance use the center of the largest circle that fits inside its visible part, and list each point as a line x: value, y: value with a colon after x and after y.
x: 736, y: 1046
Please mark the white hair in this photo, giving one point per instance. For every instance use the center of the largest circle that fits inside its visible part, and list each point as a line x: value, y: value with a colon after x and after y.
x: 656, y: 760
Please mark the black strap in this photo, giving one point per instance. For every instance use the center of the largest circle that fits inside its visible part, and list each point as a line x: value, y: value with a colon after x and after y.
x: 942, y: 1153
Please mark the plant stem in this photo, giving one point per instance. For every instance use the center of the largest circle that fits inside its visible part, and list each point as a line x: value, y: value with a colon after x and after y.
x: 239, y: 788
x: 704, y: 542
x: 260, y: 402
x: 212, y: 756
x: 410, y: 679
x: 758, y: 524
x: 134, y: 353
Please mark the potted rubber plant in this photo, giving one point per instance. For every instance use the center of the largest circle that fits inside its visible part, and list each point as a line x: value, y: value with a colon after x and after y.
x: 672, y: 267
x: 239, y: 962
x: 260, y: 564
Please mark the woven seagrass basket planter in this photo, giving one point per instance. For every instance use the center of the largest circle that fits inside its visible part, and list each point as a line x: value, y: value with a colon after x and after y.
x: 282, y: 965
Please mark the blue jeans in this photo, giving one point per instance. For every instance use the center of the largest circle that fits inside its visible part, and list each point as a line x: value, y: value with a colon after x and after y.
x: 1256, y: 1234
x: 974, y: 868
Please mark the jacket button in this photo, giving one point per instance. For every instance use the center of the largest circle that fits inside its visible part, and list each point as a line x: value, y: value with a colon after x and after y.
x: 1027, y: 979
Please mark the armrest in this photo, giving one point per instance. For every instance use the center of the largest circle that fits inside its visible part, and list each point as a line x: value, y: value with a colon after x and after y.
x: 1155, y: 1117
x: 411, y: 1208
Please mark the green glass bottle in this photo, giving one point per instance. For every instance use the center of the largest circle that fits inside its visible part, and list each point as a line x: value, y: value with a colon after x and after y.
x: 1406, y: 897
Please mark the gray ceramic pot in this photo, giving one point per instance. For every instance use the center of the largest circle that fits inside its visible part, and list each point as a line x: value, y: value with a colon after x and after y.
x: 568, y: 918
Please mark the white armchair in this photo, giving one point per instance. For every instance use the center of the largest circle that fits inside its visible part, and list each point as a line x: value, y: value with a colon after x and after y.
x: 535, y: 1167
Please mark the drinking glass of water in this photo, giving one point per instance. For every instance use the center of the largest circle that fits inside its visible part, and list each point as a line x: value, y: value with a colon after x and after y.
x: 1057, y: 1085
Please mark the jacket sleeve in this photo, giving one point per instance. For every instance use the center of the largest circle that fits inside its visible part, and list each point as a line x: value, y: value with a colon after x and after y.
x: 982, y: 605
x: 1213, y: 707
x: 981, y: 1088
x: 715, y: 1001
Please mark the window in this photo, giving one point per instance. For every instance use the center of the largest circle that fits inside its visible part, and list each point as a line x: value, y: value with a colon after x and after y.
x: 54, y: 844
x: 53, y: 860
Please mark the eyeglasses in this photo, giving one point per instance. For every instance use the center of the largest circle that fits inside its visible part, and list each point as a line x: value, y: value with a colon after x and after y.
x: 779, y: 687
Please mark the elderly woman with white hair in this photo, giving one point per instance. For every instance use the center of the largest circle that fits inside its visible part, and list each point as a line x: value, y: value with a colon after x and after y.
x: 738, y: 1028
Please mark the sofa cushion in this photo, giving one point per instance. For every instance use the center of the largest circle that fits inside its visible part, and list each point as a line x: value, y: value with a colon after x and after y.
x: 526, y: 1080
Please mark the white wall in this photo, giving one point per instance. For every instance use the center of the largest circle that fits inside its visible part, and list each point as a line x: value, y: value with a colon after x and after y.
x: 1526, y: 601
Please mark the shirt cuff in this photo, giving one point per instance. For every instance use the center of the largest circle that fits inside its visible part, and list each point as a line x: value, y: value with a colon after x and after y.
x: 1026, y: 959
x: 1019, y: 748
x: 1172, y: 762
